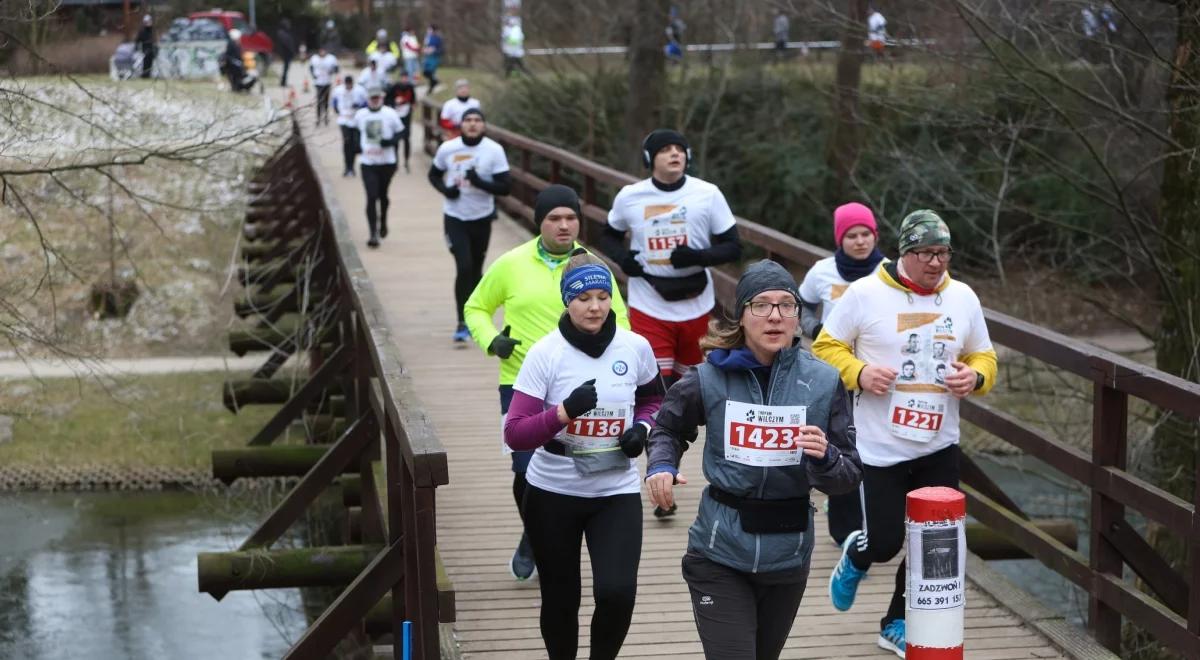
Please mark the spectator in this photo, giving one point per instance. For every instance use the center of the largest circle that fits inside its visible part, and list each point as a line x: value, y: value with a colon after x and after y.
x: 147, y: 44
x: 285, y: 47
x: 781, y: 28
x: 876, y: 31
x: 512, y: 44
x: 410, y: 54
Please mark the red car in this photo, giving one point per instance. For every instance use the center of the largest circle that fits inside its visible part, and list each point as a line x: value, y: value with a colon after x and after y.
x: 254, y: 41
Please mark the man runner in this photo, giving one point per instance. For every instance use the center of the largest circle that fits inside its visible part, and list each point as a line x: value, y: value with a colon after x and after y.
x: 453, y: 109
x: 323, y: 66
x: 378, y: 128
x: 347, y: 100
x: 908, y: 426
x: 525, y: 282
x: 470, y: 171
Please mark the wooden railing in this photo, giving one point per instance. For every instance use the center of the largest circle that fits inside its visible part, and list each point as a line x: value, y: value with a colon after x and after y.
x: 308, y: 292
x: 1171, y: 611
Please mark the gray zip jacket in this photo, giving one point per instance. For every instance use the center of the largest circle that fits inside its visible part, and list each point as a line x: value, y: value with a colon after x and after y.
x: 796, y: 379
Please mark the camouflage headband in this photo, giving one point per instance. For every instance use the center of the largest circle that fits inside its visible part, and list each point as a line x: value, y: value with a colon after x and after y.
x: 921, y: 229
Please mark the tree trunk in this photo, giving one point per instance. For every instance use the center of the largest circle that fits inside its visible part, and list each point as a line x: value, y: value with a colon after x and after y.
x: 647, y: 75
x: 845, y: 140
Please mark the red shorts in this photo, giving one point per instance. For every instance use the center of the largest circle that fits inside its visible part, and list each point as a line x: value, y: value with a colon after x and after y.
x: 676, y: 344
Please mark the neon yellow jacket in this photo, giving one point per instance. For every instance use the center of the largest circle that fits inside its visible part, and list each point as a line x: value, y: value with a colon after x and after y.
x: 528, y: 290
x: 841, y: 355
x: 391, y: 45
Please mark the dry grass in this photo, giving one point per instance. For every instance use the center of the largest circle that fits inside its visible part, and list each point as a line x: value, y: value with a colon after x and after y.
x: 76, y: 55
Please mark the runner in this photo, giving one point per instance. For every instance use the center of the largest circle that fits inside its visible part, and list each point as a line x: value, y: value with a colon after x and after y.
x: 453, y: 109
x: 750, y: 547
x: 470, y: 171
x: 322, y: 66
x: 525, y: 282
x: 433, y: 50
x: 585, y: 398
x: 410, y: 54
x: 404, y: 95
x: 382, y: 44
x: 907, y: 431
x: 855, y: 234
x: 378, y: 128
x: 373, y: 76
x: 347, y: 100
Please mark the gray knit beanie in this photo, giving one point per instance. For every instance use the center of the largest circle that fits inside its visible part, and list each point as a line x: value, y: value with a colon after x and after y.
x: 765, y: 275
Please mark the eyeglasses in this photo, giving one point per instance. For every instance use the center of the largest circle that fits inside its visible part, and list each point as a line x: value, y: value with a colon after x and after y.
x: 787, y: 310
x: 926, y: 256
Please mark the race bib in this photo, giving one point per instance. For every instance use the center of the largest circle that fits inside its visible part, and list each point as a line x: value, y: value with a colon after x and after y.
x: 598, y: 430
x: 763, y: 436
x: 661, y: 240
x: 917, y: 416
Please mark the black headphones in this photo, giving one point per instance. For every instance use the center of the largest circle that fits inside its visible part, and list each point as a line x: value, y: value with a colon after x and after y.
x: 648, y: 158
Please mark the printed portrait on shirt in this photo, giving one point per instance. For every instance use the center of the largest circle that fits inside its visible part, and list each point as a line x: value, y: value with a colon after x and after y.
x: 913, y: 345
x: 939, y: 374
x: 908, y: 371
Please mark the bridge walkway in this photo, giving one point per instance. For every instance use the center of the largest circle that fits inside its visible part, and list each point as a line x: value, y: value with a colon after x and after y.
x: 478, y: 527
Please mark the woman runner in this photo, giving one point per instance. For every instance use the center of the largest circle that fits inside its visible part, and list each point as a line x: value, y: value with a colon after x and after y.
x: 585, y: 398
x: 777, y: 423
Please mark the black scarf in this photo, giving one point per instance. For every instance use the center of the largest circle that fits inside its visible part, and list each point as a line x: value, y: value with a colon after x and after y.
x: 472, y: 141
x: 852, y: 269
x: 669, y: 187
x: 592, y: 345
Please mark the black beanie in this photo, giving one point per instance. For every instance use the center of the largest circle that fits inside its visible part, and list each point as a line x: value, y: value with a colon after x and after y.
x: 472, y: 111
x: 765, y: 275
x: 658, y: 139
x: 554, y: 196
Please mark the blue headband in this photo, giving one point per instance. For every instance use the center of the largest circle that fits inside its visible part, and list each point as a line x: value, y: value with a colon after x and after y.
x: 585, y: 278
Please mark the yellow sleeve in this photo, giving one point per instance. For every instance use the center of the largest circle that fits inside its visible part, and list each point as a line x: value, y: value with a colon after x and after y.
x: 372, y: 47
x: 487, y: 297
x: 618, y: 305
x: 839, y: 355
x: 983, y: 362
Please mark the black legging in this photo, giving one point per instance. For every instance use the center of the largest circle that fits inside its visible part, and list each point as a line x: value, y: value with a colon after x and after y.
x: 322, y: 102
x: 468, y: 242
x: 376, y: 179
x: 349, y: 146
x: 556, y: 525
x: 884, y: 490
x: 431, y: 74
x: 405, y: 135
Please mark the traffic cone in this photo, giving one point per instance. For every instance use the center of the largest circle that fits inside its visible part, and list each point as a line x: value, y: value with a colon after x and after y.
x: 306, y: 85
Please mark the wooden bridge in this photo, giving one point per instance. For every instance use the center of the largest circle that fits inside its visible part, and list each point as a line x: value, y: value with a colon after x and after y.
x: 406, y: 427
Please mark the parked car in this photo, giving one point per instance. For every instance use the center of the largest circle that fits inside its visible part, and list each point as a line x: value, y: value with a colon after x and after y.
x: 253, y: 40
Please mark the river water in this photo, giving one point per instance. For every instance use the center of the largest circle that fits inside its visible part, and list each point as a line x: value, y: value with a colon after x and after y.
x: 113, y: 575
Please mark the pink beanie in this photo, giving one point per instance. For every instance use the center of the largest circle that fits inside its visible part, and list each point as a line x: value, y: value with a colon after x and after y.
x: 850, y: 215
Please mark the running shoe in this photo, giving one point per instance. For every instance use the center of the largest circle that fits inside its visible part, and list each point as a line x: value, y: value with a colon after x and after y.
x: 522, y: 565
x: 461, y: 334
x: 891, y: 638
x: 373, y: 242
x: 843, y: 583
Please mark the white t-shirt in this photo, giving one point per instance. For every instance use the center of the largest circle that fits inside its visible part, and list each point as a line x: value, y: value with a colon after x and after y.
x: 384, y: 59
x: 347, y: 103
x: 551, y: 371
x: 823, y: 285
x: 454, y: 108
x: 876, y: 27
x: 455, y: 158
x: 377, y: 77
x: 373, y: 127
x: 659, y: 221
x: 913, y: 335
x: 323, y: 68
x: 410, y: 48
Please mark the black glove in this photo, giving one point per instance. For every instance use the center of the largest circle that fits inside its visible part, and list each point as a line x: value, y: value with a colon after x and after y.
x: 633, y: 440
x: 502, y: 346
x: 451, y: 192
x: 630, y: 265
x: 685, y: 257
x: 581, y: 400
x: 473, y: 177
x: 387, y: 144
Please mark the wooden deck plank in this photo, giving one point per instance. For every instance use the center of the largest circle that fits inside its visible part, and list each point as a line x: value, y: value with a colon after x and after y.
x: 477, y: 521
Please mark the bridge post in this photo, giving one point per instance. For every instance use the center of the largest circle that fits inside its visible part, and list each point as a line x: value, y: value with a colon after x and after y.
x: 1109, y: 415
x: 937, y: 560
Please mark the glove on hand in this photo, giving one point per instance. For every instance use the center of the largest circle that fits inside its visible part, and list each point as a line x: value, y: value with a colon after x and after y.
x: 631, y: 266
x: 452, y: 192
x: 502, y: 346
x: 473, y: 177
x: 684, y: 257
x: 633, y: 440
x: 581, y: 400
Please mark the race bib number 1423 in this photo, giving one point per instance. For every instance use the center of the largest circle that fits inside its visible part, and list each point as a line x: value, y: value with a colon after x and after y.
x: 764, y: 436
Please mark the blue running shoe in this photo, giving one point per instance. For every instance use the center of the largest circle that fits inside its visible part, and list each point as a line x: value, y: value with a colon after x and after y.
x: 461, y: 335
x: 891, y: 638
x: 843, y: 584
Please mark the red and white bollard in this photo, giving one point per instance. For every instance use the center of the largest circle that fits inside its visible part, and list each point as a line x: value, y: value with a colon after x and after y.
x: 937, y: 581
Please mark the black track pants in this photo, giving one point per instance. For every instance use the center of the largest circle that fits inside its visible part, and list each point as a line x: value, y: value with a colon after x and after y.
x: 376, y: 179
x: 322, y: 102
x: 556, y: 526
x: 845, y: 515
x: 349, y: 146
x: 468, y: 242
x: 884, y: 491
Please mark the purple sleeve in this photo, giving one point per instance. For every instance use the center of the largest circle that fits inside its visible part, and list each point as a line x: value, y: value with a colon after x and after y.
x: 528, y: 426
x: 645, y: 406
